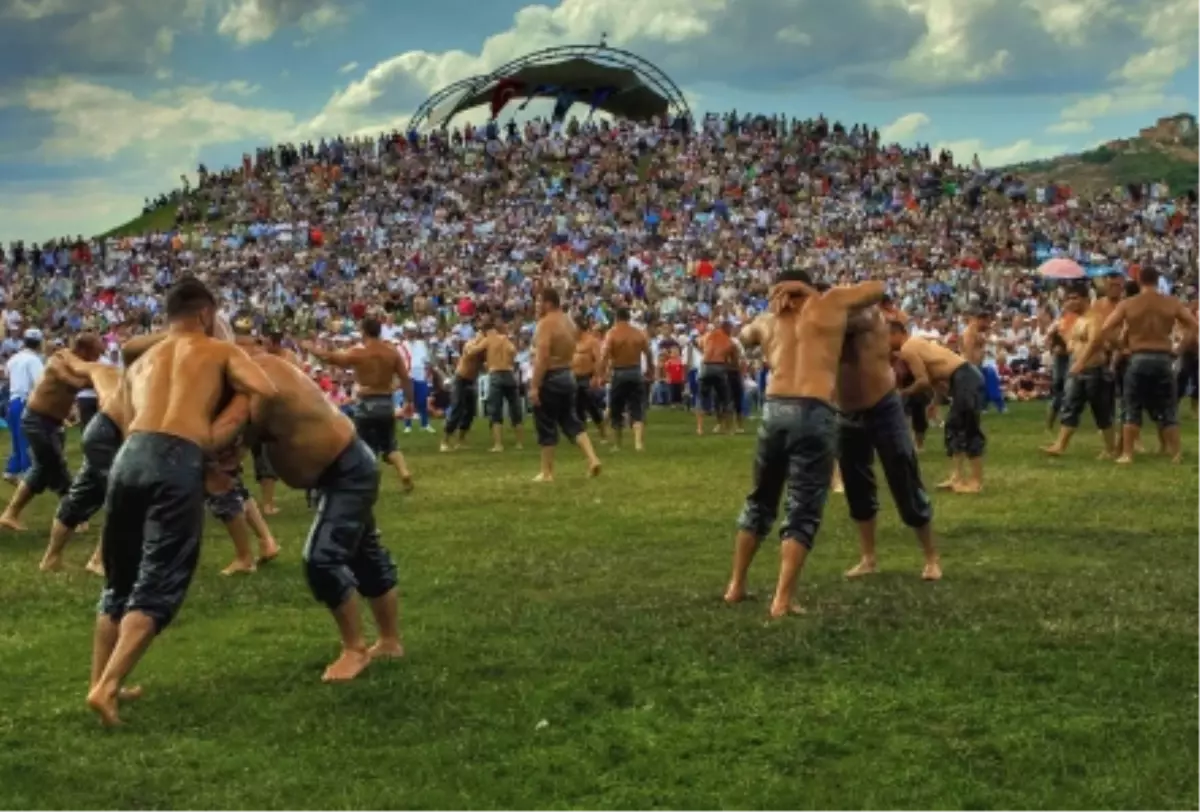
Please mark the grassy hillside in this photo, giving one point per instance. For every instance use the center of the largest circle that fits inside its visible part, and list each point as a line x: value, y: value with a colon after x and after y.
x: 1140, y: 162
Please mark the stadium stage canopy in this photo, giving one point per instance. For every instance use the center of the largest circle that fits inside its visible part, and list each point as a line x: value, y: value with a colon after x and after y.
x: 609, y: 79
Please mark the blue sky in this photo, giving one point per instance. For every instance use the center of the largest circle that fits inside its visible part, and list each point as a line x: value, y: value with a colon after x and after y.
x: 104, y: 102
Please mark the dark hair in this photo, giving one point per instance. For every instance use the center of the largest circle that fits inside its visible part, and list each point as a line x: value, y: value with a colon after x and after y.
x: 1148, y: 278
x: 898, y: 326
x: 623, y: 314
x: 370, y: 327
x: 794, y: 275
x: 275, y: 336
x: 550, y: 296
x: 87, y: 346
x: 821, y: 287
x: 32, y: 343
x: 188, y: 297
x: 1131, y: 288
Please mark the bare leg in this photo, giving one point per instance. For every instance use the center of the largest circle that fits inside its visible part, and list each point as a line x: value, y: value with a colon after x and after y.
x: 639, y: 436
x: 268, y: 498
x: 239, y: 534
x: 1059, y: 446
x: 975, y: 483
x: 585, y: 445
x: 1129, y: 440
x: 519, y: 431
x: 546, y: 474
x: 268, y: 548
x: 60, y: 534
x: 745, y: 545
x: 95, y: 564
x: 618, y: 437
x: 699, y: 420
x: 1110, y: 443
x: 867, y: 563
x: 933, y: 565
x: 956, y: 474
x: 11, y: 518
x: 497, y: 438
x: 386, y: 610
x: 836, y: 485
x: 791, y: 561
x: 136, y: 633
x: 396, y: 460
x: 354, y: 658
x: 1171, y: 443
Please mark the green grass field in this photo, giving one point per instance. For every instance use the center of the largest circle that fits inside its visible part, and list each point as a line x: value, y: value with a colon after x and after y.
x: 567, y: 647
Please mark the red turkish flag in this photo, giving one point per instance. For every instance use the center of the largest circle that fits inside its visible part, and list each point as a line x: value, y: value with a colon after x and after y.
x: 506, y: 90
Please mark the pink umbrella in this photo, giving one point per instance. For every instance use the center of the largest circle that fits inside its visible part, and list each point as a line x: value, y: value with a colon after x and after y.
x: 1061, y: 268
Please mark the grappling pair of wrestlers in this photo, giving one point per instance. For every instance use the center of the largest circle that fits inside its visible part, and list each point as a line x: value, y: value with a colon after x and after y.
x: 832, y: 397
x: 186, y: 405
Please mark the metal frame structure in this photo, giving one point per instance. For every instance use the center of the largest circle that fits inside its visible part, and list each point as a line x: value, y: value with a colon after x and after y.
x: 602, y: 54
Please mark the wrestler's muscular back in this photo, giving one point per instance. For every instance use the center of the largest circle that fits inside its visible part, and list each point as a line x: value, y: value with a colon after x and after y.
x: 1150, y: 318
x: 302, y: 431
x: 374, y: 365
x: 176, y: 386
x: 54, y: 394
x: 805, y: 350
x: 865, y: 374
x: 626, y: 345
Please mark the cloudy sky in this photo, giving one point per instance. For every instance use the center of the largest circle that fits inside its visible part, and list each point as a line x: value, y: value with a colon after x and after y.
x: 103, y: 102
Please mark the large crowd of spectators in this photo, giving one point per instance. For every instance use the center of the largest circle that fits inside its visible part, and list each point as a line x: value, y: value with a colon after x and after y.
x: 685, y: 225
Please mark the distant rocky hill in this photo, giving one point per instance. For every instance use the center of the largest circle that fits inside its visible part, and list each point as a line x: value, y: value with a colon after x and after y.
x: 1165, y: 152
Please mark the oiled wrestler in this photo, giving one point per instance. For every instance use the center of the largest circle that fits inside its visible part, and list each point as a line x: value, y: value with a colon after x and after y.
x: 933, y: 367
x: 155, y: 505
x: 503, y: 389
x: 552, y: 389
x: 1149, y: 319
x: 586, y: 367
x: 797, y: 439
x: 626, y: 352
x: 874, y: 423
x: 42, y: 425
x: 100, y: 442
x: 377, y: 367
x: 314, y: 447
x: 464, y: 394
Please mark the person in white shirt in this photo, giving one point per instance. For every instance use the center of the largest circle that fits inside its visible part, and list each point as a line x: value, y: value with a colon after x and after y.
x: 24, y: 371
x: 416, y: 348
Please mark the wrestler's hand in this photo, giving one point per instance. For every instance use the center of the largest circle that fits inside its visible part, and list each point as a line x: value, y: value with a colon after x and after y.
x: 597, y: 382
x: 217, y: 482
x: 407, y: 411
x: 535, y: 397
x: 1076, y: 368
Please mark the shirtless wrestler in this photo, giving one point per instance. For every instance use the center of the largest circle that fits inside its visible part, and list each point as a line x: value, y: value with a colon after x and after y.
x: 503, y: 388
x: 552, y: 390
x: 1091, y: 386
x: 1149, y: 319
x: 464, y: 395
x: 586, y: 367
x: 314, y: 447
x: 715, y: 347
x: 377, y: 366
x: 42, y: 425
x: 100, y: 442
x: 873, y: 422
x: 933, y: 366
x: 797, y: 438
x: 155, y: 505
x: 626, y: 349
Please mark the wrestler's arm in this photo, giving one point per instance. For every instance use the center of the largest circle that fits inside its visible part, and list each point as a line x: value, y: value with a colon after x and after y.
x: 229, y: 422
x: 1187, y: 318
x: 338, y: 358
x: 750, y: 335
x: 853, y: 297
x: 1097, y: 337
x: 60, y: 367
x: 651, y: 367
x: 541, y: 359
x: 406, y: 384
x: 137, y: 346
x: 916, y: 365
x: 605, y: 359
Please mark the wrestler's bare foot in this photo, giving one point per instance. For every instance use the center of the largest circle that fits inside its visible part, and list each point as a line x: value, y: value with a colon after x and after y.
x: 540, y: 478
x: 103, y: 702
x: 594, y: 469
x: 735, y: 594
x: 1104, y: 455
x: 781, y: 610
x: 269, y: 510
x: 839, y: 487
x: 51, y: 563
x: 496, y: 449
x: 386, y: 650
x: 95, y: 567
x: 866, y: 566
x: 268, y: 551
x: 1052, y: 450
x: 1178, y: 458
x: 520, y: 446
x: 445, y: 448
x: 406, y: 483
x: 239, y: 567
x: 82, y: 528
x: 968, y: 487
x: 11, y: 523
x: 349, y: 664
x: 932, y: 571
x: 947, y: 484
x: 131, y: 694
x: 1124, y: 459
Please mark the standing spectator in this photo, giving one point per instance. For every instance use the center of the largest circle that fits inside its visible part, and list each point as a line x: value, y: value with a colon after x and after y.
x: 24, y: 371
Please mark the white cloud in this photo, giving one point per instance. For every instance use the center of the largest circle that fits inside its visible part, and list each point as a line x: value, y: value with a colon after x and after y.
x: 251, y: 21
x: 1017, y: 152
x: 349, y: 67
x: 1070, y: 127
x: 240, y: 87
x: 1121, y: 101
x: 904, y: 128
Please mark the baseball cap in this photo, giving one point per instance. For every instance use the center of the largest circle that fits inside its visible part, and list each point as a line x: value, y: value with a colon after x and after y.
x: 33, y: 334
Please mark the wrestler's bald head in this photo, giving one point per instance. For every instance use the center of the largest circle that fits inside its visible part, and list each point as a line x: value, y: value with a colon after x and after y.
x: 88, y: 346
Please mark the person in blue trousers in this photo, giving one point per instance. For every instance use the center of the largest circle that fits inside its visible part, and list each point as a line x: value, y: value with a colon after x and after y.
x: 24, y: 371
x: 993, y: 394
x: 418, y: 370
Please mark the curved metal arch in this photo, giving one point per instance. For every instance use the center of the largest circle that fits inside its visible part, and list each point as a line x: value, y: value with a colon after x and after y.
x: 603, y: 54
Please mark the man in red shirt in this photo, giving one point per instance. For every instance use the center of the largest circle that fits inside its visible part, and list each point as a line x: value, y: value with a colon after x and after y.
x: 674, y: 371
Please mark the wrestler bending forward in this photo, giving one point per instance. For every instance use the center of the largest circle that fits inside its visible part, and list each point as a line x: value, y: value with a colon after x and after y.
x: 313, y: 446
x: 155, y: 504
x: 874, y: 423
x: 797, y: 439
